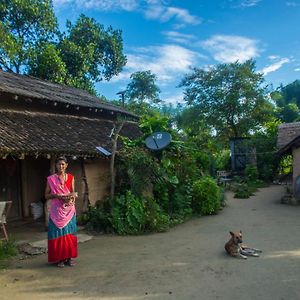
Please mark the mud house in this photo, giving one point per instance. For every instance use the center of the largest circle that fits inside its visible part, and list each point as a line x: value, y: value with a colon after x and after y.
x: 39, y: 121
x: 288, y: 143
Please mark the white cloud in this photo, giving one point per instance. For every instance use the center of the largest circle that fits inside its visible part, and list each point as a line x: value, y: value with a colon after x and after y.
x: 157, y: 10
x: 249, y: 3
x: 178, y: 37
x: 275, y: 66
x: 167, y: 62
x: 179, y: 14
x: 231, y: 48
x: 297, y: 70
x: 151, y: 9
x: 105, y: 5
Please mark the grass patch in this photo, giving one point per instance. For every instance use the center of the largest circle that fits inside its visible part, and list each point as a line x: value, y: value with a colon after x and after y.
x: 7, y: 251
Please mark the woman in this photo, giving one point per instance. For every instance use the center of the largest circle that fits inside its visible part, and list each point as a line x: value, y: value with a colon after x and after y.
x: 62, y: 227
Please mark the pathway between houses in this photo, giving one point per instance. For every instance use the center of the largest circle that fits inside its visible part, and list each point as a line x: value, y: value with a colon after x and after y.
x: 188, y: 262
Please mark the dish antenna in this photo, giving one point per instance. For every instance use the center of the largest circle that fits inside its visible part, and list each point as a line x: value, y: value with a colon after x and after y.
x: 158, y: 140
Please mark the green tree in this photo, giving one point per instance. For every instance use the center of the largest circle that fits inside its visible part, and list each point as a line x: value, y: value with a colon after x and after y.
x: 24, y: 24
x: 287, y: 99
x: 143, y: 88
x: 48, y: 64
x: 31, y: 43
x: 229, y: 97
x: 90, y: 52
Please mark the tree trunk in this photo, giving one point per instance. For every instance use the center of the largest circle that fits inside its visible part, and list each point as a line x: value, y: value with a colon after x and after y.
x: 112, y: 160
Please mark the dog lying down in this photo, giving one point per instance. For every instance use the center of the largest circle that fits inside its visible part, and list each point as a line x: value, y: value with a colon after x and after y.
x: 235, y: 248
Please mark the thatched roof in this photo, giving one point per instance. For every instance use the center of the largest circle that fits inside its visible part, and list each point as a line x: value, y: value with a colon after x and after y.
x: 36, y: 133
x: 288, y: 137
x: 37, y: 89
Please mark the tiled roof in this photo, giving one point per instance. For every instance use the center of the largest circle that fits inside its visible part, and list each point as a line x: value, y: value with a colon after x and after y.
x: 38, y: 89
x: 35, y: 133
x: 287, y: 132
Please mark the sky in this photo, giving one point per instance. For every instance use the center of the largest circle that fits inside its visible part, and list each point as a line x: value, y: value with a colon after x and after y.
x: 168, y: 37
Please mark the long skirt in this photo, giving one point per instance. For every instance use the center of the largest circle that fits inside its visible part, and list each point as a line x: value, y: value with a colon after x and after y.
x: 62, y: 243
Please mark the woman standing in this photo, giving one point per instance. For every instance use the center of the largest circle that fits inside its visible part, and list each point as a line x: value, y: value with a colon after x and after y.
x: 62, y: 227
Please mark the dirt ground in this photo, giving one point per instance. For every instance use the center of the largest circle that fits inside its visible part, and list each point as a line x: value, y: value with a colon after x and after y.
x: 188, y: 262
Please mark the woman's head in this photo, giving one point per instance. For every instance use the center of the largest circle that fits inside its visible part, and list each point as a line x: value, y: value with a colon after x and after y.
x: 61, y: 164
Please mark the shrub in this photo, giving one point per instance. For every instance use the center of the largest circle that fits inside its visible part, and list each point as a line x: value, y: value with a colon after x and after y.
x: 251, y: 173
x: 242, y: 191
x: 128, y: 214
x: 97, y: 217
x: 206, y: 196
x: 156, y: 219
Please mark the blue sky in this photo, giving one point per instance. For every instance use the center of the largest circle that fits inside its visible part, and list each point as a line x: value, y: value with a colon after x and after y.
x: 169, y: 36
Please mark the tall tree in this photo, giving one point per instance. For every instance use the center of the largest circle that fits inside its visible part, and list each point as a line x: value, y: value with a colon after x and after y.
x: 31, y: 43
x: 87, y: 54
x: 229, y: 97
x: 143, y: 88
x: 23, y: 25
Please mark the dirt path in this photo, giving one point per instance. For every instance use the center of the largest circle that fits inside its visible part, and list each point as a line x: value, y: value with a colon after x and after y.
x: 185, y: 263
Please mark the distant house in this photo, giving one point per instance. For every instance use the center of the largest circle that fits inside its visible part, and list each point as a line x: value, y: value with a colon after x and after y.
x: 288, y: 142
x: 39, y: 121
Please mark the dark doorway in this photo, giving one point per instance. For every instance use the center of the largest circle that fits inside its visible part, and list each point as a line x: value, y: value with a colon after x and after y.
x: 10, y: 185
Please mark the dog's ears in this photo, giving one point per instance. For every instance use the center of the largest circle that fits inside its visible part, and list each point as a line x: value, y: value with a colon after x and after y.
x: 231, y: 233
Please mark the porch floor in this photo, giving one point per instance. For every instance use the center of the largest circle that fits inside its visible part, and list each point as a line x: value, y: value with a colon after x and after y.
x: 26, y: 231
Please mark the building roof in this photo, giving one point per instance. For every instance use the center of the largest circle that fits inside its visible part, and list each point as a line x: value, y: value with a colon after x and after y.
x: 37, y: 89
x: 36, y: 133
x: 288, y: 137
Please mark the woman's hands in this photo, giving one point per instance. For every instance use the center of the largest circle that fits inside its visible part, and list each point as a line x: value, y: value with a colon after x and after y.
x: 68, y: 199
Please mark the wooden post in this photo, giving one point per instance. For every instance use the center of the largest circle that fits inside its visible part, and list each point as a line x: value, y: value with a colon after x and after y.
x: 86, y: 200
x: 112, y: 160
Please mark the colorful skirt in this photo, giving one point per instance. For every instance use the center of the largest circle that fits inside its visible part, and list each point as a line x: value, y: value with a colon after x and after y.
x: 62, y: 243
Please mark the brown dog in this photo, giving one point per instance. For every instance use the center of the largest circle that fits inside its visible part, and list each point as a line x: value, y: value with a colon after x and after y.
x: 235, y: 248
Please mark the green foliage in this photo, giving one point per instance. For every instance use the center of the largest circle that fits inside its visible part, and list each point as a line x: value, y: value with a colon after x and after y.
x: 229, y: 97
x: 97, y: 217
x: 156, y: 219
x: 265, y: 144
x: 286, y: 164
x: 287, y: 99
x: 128, y: 214
x: 143, y: 88
x: 206, y: 196
x: 222, y: 159
x: 251, y: 173
x: 24, y: 24
x: 48, y: 64
x: 242, y: 190
x: 31, y: 43
x: 7, y: 251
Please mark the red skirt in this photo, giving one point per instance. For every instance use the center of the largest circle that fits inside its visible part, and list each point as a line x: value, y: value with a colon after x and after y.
x: 62, y: 243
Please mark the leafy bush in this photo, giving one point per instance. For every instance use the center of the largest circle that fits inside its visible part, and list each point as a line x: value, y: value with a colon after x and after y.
x: 97, y: 217
x: 156, y: 220
x: 242, y: 191
x: 206, y: 196
x: 251, y: 173
x: 128, y: 214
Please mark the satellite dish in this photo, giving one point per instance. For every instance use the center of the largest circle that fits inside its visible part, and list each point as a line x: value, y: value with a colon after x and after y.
x: 158, y: 140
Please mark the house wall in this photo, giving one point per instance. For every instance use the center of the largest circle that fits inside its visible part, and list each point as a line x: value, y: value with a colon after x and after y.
x: 296, y: 166
x: 98, y: 179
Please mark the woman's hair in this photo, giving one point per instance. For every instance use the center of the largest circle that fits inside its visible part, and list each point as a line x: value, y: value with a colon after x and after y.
x: 63, y: 158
